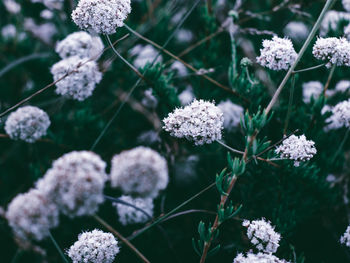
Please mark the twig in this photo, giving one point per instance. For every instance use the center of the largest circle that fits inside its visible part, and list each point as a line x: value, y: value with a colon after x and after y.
x: 330, y: 76
x: 308, y: 69
x: 122, y: 238
x: 229, y: 148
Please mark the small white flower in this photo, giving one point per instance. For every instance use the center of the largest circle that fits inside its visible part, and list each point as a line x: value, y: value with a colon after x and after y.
x: 32, y: 215
x: 80, y: 44
x: 336, y: 51
x: 232, y: 114
x: 346, y: 5
x: 144, y: 54
x: 297, y: 148
x: 12, y: 6
x: 262, y: 235
x: 82, y: 80
x: 345, y: 238
x: 342, y: 86
x: 46, y: 14
x: 331, y: 21
x: 201, y: 122
x: 27, y: 123
x: 129, y: 215
x: 184, y: 36
x: 94, y: 247
x: 101, y: 16
x: 8, y: 32
x: 311, y: 89
x: 44, y: 32
x: 140, y: 171
x: 277, y: 54
x: 333, y: 122
x: 186, y: 96
x: 180, y: 68
x: 297, y: 31
x: 149, y: 100
x: 258, y: 258
x: 341, y: 114
x: 75, y: 183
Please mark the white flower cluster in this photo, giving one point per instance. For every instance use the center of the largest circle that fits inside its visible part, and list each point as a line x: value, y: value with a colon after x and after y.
x: 258, y: 258
x: 140, y: 171
x: 345, y: 238
x: 201, y: 122
x: 311, y: 89
x: 297, y: 148
x: 101, y: 16
x: 27, y: 123
x: 75, y: 183
x: 232, y: 114
x: 81, y: 79
x: 333, y: 122
x: 94, y: 247
x: 277, y: 54
x: 332, y: 20
x: 8, y: 32
x: 149, y: 100
x: 336, y: 51
x: 342, y: 86
x: 32, y: 215
x: 45, y: 32
x: 341, y: 114
x: 144, y: 54
x: 129, y: 215
x: 346, y: 5
x: 262, y: 235
x: 12, y: 6
x: 297, y: 31
x: 80, y: 44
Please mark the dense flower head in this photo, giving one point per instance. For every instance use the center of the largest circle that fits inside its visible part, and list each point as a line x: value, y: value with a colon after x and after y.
x: 101, y: 16
x: 296, y: 30
x: 262, y: 235
x: 27, y: 123
x: 129, y: 215
x: 297, y: 148
x: 80, y: 44
x: 332, y: 20
x: 311, y: 89
x: 94, y: 247
x: 341, y: 114
x: 81, y: 81
x: 345, y: 238
x: 140, y: 171
x: 258, y: 258
x: 12, y: 6
x: 75, y: 183
x: 336, y: 51
x: 277, y: 54
x: 201, y: 122
x: 232, y: 114
x: 32, y: 215
x: 45, y: 31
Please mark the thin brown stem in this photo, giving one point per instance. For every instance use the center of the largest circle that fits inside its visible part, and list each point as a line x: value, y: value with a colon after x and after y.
x: 216, y: 222
x: 121, y: 237
x: 330, y: 76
